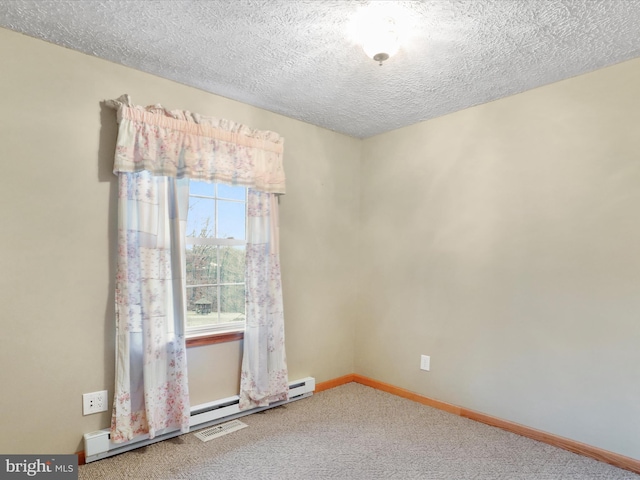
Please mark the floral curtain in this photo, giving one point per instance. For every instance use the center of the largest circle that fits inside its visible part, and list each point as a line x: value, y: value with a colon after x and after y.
x: 157, y: 152
x: 264, y: 366
x: 151, y: 393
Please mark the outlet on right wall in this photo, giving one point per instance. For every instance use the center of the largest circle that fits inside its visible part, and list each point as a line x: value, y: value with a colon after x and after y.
x: 504, y: 241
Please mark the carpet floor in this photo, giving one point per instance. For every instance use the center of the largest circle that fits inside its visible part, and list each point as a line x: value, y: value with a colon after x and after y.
x: 355, y: 432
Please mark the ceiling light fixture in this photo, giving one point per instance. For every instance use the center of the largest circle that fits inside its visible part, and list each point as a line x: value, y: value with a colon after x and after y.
x: 378, y: 28
x: 381, y: 41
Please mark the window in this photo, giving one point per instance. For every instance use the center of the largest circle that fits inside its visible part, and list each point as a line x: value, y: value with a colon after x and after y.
x: 215, y: 258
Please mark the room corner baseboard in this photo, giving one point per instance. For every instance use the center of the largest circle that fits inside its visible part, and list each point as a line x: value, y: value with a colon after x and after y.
x: 336, y: 382
x: 574, y: 446
x: 401, y: 392
x: 81, y: 457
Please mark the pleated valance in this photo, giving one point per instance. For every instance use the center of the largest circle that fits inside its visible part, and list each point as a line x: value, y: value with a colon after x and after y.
x: 181, y: 144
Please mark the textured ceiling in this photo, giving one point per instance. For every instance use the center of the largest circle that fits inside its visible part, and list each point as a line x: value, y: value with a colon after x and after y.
x: 297, y: 58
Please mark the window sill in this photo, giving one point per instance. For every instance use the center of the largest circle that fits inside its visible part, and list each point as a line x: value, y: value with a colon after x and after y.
x: 214, y: 338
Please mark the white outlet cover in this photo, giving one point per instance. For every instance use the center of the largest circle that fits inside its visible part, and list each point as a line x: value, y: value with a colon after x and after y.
x: 94, y: 402
x: 425, y: 362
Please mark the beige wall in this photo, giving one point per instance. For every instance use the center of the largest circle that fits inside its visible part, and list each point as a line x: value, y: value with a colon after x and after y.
x: 57, y: 214
x: 504, y: 241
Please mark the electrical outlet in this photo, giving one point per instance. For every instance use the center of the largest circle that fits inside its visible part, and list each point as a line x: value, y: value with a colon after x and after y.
x: 425, y: 362
x: 94, y: 402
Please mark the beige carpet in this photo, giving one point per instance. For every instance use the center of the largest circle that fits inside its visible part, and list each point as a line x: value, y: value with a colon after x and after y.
x: 355, y: 432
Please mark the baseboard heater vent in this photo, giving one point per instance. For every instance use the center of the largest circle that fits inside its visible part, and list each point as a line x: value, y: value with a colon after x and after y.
x: 216, y: 431
x: 97, y: 445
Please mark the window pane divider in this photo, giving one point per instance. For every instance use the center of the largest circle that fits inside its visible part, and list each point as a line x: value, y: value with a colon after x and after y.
x: 215, y: 285
x: 209, y: 197
x: 225, y: 242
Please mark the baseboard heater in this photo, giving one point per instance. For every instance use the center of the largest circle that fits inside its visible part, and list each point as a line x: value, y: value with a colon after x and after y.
x: 97, y: 445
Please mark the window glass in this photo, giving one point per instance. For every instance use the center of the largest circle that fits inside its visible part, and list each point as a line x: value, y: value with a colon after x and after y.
x: 232, y: 262
x: 215, y: 258
x: 232, y: 303
x: 205, y: 189
x: 201, y: 220
x: 231, y: 219
x: 231, y: 193
x: 202, y: 306
x: 202, y: 265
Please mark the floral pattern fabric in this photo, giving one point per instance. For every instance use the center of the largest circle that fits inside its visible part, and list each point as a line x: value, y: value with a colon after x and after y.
x: 183, y: 144
x: 264, y: 377
x: 151, y: 392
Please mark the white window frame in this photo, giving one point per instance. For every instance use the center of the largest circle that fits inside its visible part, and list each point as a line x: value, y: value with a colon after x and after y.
x: 227, y: 327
